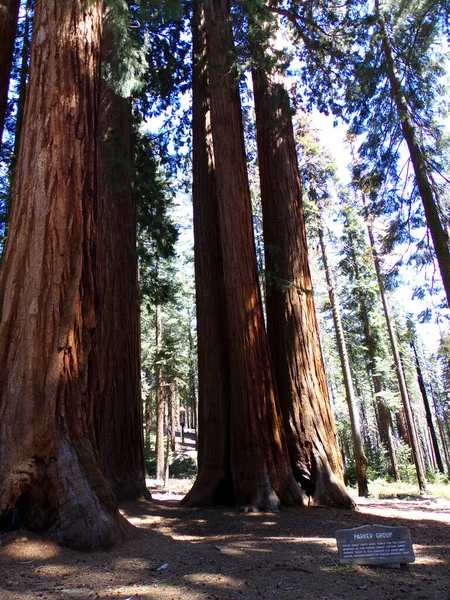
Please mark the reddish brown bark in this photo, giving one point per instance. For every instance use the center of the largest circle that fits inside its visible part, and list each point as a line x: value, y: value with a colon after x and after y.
x: 117, y: 335
x: 291, y: 317
x: 9, y: 13
x: 259, y: 465
x: 48, y: 449
x: 213, y: 483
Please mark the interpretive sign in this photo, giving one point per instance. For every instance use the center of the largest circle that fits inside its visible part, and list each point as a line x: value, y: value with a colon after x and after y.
x: 374, y: 545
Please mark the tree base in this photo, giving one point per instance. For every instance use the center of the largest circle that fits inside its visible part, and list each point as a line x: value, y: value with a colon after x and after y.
x: 66, y: 498
x: 329, y: 490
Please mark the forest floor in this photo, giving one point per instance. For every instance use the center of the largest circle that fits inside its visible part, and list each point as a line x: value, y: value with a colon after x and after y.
x: 177, y: 553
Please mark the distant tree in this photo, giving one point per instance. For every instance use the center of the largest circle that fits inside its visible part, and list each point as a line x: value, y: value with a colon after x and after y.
x: 363, y: 295
x: 9, y: 13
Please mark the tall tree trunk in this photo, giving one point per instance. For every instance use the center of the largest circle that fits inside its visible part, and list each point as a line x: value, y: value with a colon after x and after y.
x: 9, y: 14
x: 159, y: 393
x: 426, y: 403
x: 415, y: 449
x: 383, y: 411
x: 214, y: 482
x: 117, y: 336
x: 172, y: 409
x: 292, y: 325
x: 259, y: 463
x: 361, y: 461
x: 48, y: 449
x: 438, y: 233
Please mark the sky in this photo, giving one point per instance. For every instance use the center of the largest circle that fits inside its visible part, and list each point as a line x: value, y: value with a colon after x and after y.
x: 333, y: 139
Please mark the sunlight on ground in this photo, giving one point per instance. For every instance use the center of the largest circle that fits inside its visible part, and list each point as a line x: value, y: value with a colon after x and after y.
x: 416, y: 511
x: 25, y: 549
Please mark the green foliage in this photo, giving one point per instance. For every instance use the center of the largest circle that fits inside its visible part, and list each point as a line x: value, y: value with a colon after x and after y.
x: 124, y: 64
x: 406, y: 468
x: 149, y: 457
x: 182, y: 467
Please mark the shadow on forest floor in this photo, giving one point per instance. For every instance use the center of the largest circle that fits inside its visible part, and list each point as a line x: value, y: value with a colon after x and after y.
x: 178, y: 553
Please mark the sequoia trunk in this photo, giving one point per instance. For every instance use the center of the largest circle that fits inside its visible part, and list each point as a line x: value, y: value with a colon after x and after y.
x: 259, y: 464
x: 9, y: 13
x: 50, y: 469
x: 116, y: 340
x: 291, y: 317
x: 213, y: 483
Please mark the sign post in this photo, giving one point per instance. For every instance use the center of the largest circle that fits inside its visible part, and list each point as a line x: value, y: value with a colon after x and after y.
x: 375, y: 545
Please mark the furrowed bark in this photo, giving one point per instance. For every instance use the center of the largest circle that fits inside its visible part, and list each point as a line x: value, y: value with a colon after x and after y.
x: 117, y: 336
x: 260, y: 472
x: 291, y: 317
x: 50, y: 470
x: 213, y: 484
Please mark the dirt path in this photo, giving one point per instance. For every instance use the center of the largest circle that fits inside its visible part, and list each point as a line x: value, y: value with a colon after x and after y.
x: 206, y: 554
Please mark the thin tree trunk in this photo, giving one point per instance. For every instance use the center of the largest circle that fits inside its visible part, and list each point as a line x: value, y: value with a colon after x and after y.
x: 172, y: 408
x: 423, y: 391
x: 48, y: 451
x: 361, y: 461
x: 441, y: 431
x: 384, y: 413
x: 438, y: 233
x: 117, y: 337
x: 401, y: 425
x: 159, y: 393
x: 399, y: 371
x: 9, y: 14
x: 292, y: 325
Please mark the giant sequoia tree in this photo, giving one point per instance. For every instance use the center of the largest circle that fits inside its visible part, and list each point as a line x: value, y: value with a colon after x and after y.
x: 257, y: 466
x: 291, y: 317
x: 116, y: 345
x: 50, y: 468
x: 214, y: 480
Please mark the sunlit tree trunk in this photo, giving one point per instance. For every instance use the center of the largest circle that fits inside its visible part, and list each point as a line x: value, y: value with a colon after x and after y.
x: 426, y: 402
x: 258, y: 460
x: 48, y: 448
x: 9, y: 14
x: 159, y: 393
x: 361, y: 461
x: 291, y: 317
x: 383, y: 411
x: 412, y: 435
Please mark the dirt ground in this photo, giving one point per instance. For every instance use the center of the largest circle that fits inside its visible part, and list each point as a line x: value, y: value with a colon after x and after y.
x: 217, y: 554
